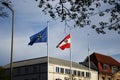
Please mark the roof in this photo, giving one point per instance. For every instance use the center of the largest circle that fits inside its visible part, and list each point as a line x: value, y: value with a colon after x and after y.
x: 92, y: 65
x: 28, y: 62
x: 44, y: 60
x: 105, y: 59
x: 66, y: 63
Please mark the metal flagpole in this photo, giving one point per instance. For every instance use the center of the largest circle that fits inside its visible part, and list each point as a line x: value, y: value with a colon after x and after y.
x: 70, y: 61
x: 70, y: 55
x: 89, y: 54
x: 70, y: 64
x: 47, y: 38
x: 48, y: 48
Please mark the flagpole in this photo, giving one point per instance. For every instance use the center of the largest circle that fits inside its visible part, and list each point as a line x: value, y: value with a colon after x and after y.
x: 89, y: 53
x: 47, y: 38
x: 48, y: 48
x: 70, y: 63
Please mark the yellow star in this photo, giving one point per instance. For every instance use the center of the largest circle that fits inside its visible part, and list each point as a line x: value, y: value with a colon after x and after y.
x: 39, y: 37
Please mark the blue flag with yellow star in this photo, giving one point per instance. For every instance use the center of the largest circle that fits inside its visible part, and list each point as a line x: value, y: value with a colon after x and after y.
x: 39, y: 37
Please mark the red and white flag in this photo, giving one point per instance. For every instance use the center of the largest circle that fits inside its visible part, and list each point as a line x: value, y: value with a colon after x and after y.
x: 65, y: 43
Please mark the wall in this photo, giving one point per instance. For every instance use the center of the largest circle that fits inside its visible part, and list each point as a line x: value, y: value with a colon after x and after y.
x: 31, y: 72
x: 54, y: 76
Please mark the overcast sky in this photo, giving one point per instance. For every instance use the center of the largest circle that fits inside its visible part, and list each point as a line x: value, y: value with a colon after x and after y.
x: 30, y: 20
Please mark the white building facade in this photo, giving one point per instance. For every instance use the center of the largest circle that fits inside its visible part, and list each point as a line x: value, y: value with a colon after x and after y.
x: 60, y: 70
x: 55, y: 69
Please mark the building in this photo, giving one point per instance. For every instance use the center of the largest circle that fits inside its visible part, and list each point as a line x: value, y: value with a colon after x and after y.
x: 108, y: 68
x: 116, y: 76
x: 57, y: 69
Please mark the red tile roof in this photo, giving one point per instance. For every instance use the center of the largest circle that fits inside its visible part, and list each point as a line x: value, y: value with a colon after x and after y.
x: 106, y: 59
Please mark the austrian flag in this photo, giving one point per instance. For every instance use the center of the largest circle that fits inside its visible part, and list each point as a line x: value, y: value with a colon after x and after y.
x: 65, y: 43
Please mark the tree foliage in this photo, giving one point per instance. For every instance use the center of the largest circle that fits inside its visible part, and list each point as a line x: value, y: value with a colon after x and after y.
x: 3, y: 13
x: 100, y: 15
x: 80, y: 12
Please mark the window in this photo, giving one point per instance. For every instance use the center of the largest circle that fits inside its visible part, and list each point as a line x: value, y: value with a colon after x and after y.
x: 75, y: 72
x: 57, y: 69
x: 61, y: 70
x: 43, y: 67
x: 67, y: 71
x: 88, y: 74
x: 82, y: 74
x: 18, y: 71
x: 78, y: 73
x: 34, y: 69
x: 105, y: 66
x: 26, y: 70
x: 114, y: 69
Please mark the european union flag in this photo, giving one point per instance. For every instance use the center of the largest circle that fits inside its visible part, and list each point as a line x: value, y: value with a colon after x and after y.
x: 39, y: 37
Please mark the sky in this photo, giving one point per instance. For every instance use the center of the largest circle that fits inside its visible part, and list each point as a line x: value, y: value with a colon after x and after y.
x: 29, y: 20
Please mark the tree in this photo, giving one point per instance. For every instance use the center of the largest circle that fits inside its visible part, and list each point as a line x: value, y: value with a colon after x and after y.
x: 80, y: 12
x: 3, y: 75
x: 3, y: 13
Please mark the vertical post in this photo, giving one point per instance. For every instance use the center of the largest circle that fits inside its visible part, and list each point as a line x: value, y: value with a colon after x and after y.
x: 70, y: 61
x: 12, y: 36
x: 48, y: 49
x: 70, y: 64
x: 89, y: 55
x: 47, y: 39
x: 11, y: 62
